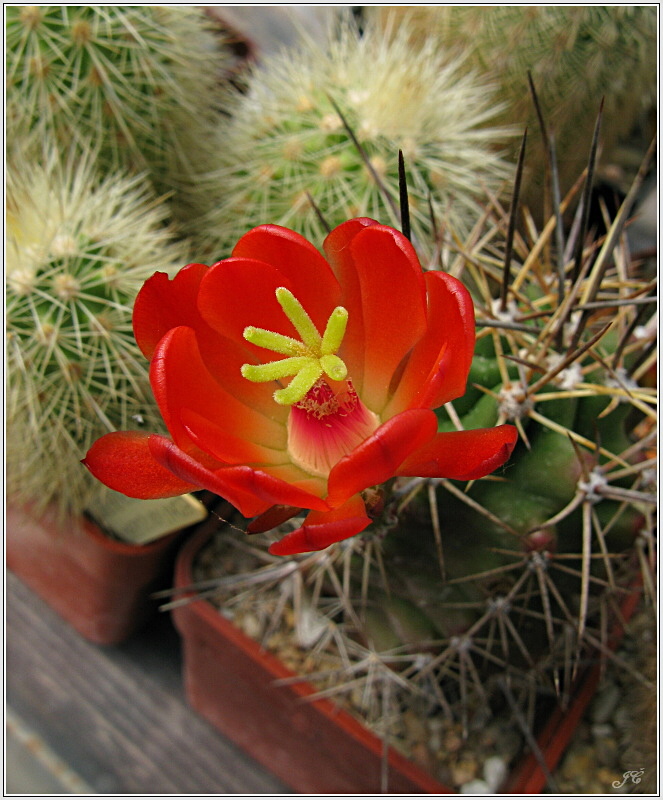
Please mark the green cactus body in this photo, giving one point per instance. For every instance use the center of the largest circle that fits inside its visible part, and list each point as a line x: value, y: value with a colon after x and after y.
x: 394, y: 622
x: 285, y: 139
x: 78, y: 249
x: 610, y: 429
x: 543, y: 476
x: 138, y: 83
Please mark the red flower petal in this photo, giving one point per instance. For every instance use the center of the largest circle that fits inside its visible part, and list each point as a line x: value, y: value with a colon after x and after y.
x: 180, y: 380
x: 123, y: 461
x: 295, y: 476
x: 337, y: 248
x: 384, y: 288
x: 309, y: 276
x: 272, y: 518
x: 378, y: 457
x: 224, y: 445
x: 163, y: 304
x: 436, y: 371
x: 239, y: 292
x: 322, y: 529
x: 251, y: 491
x: 461, y: 455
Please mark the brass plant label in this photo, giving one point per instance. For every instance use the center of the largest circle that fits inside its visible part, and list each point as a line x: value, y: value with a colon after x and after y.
x: 142, y: 521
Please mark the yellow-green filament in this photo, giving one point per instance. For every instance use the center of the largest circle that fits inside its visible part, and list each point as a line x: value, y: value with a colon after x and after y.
x: 309, y: 359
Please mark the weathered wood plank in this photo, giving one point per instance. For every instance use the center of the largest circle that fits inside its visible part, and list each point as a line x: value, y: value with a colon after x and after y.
x: 117, y: 715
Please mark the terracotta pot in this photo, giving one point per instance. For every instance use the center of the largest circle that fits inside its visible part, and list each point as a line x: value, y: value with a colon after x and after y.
x: 311, y: 745
x: 100, y: 586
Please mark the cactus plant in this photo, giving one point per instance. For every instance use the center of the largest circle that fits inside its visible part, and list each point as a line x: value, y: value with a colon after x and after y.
x: 141, y: 83
x: 463, y: 601
x: 576, y: 56
x: 78, y: 246
x: 287, y: 136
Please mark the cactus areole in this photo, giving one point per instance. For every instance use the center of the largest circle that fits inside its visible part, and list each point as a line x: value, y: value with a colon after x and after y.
x: 289, y: 381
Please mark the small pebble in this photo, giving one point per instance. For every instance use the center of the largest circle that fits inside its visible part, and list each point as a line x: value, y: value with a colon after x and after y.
x: 601, y: 731
x: 494, y: 772
x: 251, y: 626
x: 605, y: 703
x: 475, y: 787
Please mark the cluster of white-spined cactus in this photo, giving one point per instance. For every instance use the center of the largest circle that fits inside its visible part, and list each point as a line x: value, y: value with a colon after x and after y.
x: 323, y: 125
x: 107, y: 107
x: 78, y: 248
x: 141, y: 84
x: 576, y: 55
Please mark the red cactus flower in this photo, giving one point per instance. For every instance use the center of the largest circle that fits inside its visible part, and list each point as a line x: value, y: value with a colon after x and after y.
x: 290, y: 382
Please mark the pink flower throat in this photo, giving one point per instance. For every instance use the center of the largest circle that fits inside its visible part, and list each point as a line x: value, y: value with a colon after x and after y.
x: 325, y: 426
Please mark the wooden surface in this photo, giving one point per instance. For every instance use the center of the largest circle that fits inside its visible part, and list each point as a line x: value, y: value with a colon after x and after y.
x: 117, y: 715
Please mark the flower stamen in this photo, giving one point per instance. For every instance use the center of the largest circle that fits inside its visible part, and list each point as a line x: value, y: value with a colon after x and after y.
x: 309, y: 358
